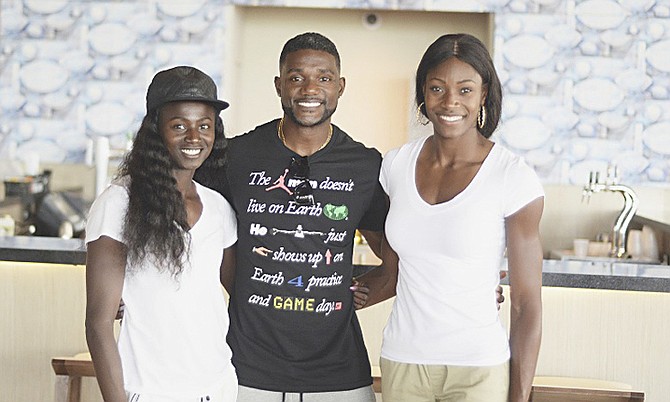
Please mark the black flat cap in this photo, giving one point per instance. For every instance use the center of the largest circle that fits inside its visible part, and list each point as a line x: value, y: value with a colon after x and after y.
x: 183, y: 83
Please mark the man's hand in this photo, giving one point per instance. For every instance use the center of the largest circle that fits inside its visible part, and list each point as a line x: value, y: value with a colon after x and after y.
x: 500, y: 298
x: 119, y: 313
x: 360, y: 294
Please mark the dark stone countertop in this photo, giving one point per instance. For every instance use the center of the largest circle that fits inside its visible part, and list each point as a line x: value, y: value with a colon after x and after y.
x: 42, y: 249
x: 609, y: 282
x: 556, y: 273
x: 609, y: 274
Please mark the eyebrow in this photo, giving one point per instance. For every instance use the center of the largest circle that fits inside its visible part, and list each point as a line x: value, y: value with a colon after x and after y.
x: 300, y: 70
x: 458, y: 82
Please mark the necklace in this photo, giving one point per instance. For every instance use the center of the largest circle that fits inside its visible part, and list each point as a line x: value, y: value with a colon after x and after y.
x: 280, y: 133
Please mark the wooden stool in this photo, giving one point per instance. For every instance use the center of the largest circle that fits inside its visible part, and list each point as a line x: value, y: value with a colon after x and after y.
x: 69, y: 371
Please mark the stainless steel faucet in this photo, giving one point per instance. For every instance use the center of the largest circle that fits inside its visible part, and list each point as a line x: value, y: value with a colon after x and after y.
x: 631, y: 202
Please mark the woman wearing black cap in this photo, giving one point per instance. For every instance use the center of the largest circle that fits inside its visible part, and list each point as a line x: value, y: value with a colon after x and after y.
x: 156, y: 239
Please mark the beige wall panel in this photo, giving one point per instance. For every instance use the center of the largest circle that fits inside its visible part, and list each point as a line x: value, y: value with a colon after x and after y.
x: 42, y: 308
x: 373, y: 320
x: 611, y: 335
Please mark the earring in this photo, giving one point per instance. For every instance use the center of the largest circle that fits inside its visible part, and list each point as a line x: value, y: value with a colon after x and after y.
x: 420, y: 116
x: 481, y: 117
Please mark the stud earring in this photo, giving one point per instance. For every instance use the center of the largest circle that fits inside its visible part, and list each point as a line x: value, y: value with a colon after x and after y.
x: 481, y: 117
x: 420, y: 116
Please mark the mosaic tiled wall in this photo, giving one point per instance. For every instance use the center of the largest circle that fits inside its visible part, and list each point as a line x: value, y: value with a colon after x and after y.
x: 74, y: 70
x: 586, y: 83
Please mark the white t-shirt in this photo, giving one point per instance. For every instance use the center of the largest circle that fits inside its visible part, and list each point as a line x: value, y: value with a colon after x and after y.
x: 173, y: 336
x: 450, y: 255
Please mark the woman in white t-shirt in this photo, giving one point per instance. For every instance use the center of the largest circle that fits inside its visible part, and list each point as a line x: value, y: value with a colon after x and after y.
x: 156, y: 240
x: 457, y: 202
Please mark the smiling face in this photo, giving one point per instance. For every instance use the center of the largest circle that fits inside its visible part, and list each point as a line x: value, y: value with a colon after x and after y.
x: 453, y: 95
x: 309, y: 86
x: 187, y: 129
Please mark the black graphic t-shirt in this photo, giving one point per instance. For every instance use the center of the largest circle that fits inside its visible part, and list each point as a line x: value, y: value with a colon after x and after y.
x: 293, y: 327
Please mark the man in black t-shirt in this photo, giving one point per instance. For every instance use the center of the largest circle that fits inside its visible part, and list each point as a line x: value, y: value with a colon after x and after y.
x: 300, y: 187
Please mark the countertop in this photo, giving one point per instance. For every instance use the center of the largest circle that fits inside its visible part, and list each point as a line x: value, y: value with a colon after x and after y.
x: 42, y: 249
x: 606, y: 274
x: 588, y: 274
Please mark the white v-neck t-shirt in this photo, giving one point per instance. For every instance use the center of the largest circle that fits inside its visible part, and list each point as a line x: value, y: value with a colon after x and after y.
x: 450, y: 254
x: 173, y: 336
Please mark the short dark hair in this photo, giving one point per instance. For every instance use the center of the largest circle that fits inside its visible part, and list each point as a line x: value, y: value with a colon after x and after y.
x: 311, y: 41
x: 472, y: 51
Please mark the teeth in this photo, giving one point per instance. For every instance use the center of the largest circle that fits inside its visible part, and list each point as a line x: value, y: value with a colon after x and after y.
x: 451, y: 118
x: 309, y: 104
x: 191, y: 152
